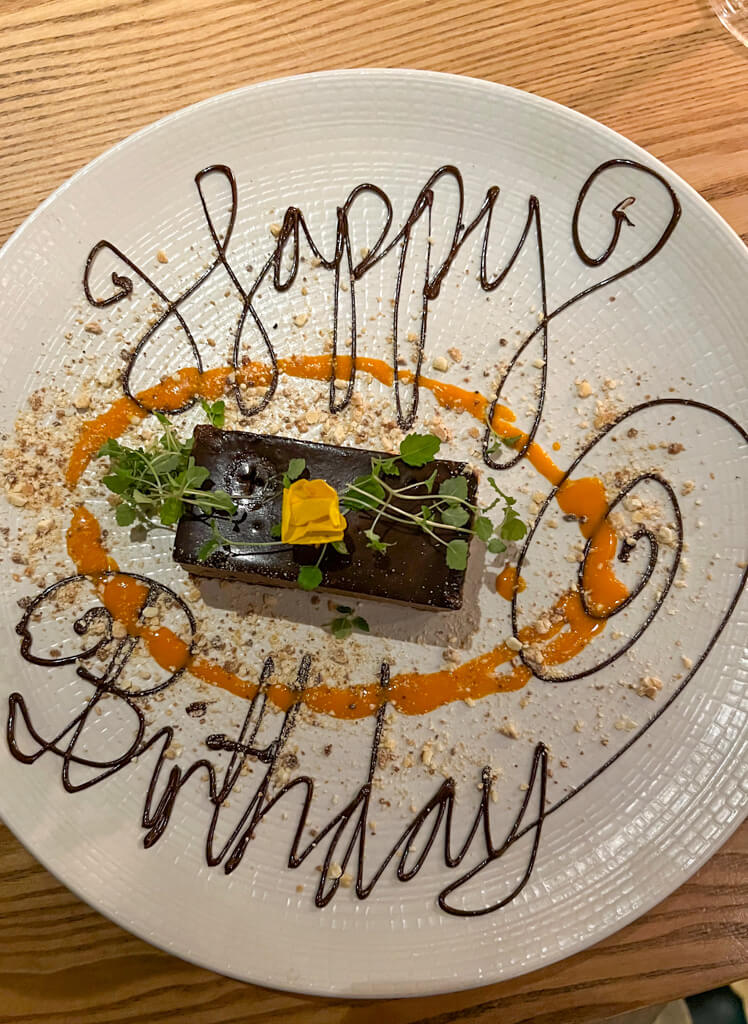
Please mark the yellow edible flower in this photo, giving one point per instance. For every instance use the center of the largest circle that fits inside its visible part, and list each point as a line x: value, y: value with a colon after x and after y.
x: 311, y: 514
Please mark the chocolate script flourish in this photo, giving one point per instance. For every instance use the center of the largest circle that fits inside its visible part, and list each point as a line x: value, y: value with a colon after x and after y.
x: 343, y: 837
x: 643, y: 534
x: 347, y: 270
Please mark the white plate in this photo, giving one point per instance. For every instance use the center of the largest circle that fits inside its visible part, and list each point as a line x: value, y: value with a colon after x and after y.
x: 647, y: 802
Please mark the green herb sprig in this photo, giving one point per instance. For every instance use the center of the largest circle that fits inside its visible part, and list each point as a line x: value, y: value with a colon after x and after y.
x: 447, y: 516
x: 346, y: 623
x: 158, y: 483
x: 215, y: 413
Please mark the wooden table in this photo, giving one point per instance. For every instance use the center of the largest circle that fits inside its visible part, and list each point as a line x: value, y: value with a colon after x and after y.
x: 77, y: 76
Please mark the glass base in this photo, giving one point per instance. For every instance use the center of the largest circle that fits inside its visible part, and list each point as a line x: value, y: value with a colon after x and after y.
x: 734, y: 16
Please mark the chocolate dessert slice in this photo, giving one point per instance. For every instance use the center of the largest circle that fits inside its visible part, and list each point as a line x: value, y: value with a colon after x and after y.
x: 250, y: 468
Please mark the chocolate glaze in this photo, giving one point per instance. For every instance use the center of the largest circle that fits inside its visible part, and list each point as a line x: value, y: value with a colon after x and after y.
x: 250, y: 468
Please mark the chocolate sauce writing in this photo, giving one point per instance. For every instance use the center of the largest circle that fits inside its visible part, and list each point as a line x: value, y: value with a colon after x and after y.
x: 343, y: 836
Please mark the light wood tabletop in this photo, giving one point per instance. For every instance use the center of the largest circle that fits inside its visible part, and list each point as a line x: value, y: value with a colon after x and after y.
x: 76, y: 76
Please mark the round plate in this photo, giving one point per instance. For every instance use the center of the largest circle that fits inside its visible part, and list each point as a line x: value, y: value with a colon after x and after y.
x: 645, y: 754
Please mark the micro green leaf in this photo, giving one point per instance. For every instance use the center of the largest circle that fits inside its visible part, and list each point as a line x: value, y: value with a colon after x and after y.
x: 108, y: 449
x: 508, y: 442
x: 214, y: 501
x: 339, y: 546
x: 375, y: 542
x: 513, y: 528
x: 345, y: 624
x: 455, y: 487
x: 171, y: 511
x: 455, y: 515
x: 207, y: 549
x: 167, y: 462
x: 195, y: 476
x: 483, y: 528
x: 457, y: 552
x: 125, y: 515
x: 275, y: 531
x: 364, y: 493
x: 295, y: 468
x: 496, y: 546
x: 505, y: 497
x: 419, y: 449
x: 117, y: 484
x: 309, y: 577
x: 387, y: 466
x: 216, y: 413
x: 341, y: 628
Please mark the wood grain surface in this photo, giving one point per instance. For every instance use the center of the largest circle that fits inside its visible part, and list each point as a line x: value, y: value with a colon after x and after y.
x: 76, y: 76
